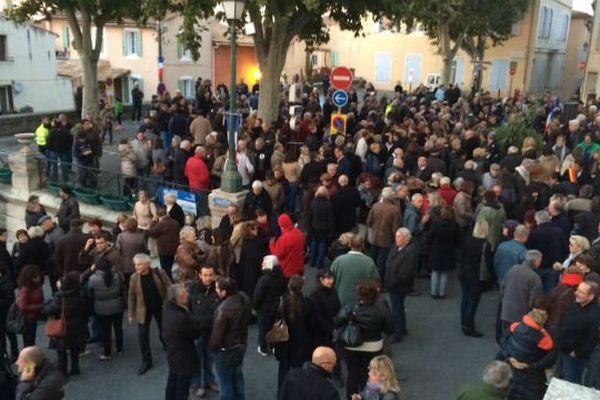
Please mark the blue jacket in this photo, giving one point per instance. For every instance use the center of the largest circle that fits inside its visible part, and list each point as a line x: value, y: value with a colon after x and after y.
x: 528, y: 342
x: 508, y: 254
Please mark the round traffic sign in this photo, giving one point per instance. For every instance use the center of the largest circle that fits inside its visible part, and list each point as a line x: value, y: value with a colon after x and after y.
x: 341, y: 78
x: 339, y: 98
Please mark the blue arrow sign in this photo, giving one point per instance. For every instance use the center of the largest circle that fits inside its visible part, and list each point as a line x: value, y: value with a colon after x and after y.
x: 339, y: 98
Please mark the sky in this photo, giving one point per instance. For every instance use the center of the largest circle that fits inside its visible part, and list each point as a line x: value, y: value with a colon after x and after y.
x: 583, y: 5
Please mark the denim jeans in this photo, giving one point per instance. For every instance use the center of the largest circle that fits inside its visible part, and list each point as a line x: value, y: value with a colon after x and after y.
x: 178, y: 387
x: 52, y: 165
x: 204, y: 376
x: 318, y: 249
x: 439, y: 283
x: 231, y: 379
x: 379, y: 255
x: 471, y: 294
x: 107, y: 322
x: 66, y: 164
x: 166, y: 138
x: 144, y: 333
x: 572, y: 368
x: 290, y: 198
x: 398, y: 311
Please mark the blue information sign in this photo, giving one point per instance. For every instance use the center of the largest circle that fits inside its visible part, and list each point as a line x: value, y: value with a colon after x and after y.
x: 187, y: 200
x: 339, y: 98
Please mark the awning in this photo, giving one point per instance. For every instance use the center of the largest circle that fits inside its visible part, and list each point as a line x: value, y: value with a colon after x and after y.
x: 73, y: 69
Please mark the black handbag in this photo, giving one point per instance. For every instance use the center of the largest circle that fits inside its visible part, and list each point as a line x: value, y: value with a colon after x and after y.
x: 349, y: 334
x: 15, y: 320
x: 233, y: 356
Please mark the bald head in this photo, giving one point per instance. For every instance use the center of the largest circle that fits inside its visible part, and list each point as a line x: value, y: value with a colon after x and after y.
x: 324, y: 357
x: 30, y: 355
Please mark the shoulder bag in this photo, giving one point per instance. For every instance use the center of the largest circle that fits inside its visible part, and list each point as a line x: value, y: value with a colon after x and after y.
x: 15, y: 320
x: 279, y: 332
x: 56, y: 328
x: 349, y: 334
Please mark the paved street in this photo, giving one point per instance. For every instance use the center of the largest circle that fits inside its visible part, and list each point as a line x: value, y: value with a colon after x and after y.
x: 432, y: 362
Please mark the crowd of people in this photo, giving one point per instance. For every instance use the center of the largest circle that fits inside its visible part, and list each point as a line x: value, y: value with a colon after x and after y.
x: 418, y: 186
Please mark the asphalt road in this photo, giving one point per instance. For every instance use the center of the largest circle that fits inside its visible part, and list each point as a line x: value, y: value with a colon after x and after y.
x: 433, y: 361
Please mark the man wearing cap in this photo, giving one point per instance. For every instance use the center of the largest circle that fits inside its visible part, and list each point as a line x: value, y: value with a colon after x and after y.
x: 255, y: 199
x: 68, y: 209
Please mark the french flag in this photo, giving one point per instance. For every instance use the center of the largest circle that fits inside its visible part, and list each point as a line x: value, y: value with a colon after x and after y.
x: 554, y: 110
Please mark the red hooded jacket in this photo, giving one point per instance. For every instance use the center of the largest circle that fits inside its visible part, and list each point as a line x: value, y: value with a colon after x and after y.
x: 289, y: 247
x: 197, y: 173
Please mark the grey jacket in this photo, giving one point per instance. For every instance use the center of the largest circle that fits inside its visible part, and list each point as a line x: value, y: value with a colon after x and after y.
x: 519, y: 288
x: 108, y: 300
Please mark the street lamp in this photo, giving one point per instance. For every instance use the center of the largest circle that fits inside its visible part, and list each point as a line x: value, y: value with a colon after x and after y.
x: 231, y: 180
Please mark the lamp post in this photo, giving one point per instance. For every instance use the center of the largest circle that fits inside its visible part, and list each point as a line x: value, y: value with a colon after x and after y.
x: 231, y: 180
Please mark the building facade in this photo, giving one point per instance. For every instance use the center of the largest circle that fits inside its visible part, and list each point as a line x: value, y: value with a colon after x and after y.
x: 28, y: 71
x: 533, y: 60
x: 129, y: 56
x: 591, y: 84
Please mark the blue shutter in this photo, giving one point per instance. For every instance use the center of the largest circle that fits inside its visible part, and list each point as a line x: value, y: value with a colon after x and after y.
x: 66, y: 39
x: 138, y: 43
x: 383, y: 67
x: 334, y: 58
x: 498, y: 74
x: 413, y: 63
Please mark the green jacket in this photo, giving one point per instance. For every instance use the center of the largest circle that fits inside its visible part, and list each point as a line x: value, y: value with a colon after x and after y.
x: 118, y: 107
x: 480, y: 391
x: 349, y: 269
x: 495, y: 217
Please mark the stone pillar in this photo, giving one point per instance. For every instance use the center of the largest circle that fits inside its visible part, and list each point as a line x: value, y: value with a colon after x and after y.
x: 218, y: 201
x: 27, y: 165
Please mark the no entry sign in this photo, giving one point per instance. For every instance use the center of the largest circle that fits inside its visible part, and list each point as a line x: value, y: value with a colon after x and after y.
x: 341, y: 78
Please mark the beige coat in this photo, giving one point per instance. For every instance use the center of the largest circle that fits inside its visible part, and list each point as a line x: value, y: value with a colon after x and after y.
x: 144, y: 214
x: 383, y: 220
x: 136, y: 304
x: 200, y: 128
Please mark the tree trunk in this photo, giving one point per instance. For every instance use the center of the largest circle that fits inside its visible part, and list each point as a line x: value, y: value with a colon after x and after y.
x: 271, y: 65
x: 90, y: 86
x: 445, y: 51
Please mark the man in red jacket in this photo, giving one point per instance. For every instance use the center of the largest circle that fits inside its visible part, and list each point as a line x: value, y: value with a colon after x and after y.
x: 199, y: 179
x: 289, y: 247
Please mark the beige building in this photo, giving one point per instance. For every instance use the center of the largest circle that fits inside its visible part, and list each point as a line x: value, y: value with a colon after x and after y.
x: 578, y: 45
x: 535, y: 54
x: 129, y: 56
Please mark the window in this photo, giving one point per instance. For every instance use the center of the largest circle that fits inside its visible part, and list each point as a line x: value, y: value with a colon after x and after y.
x: 66, y: 37
x: 498, y: 74
x: 6, y: 99
x: 412, y: 69
x: 314, y: 60
x: 383, y: 67
x: 183, y: 53
x: 132, y: 42
x: 563, y: 31
x: 545, y: 23
x: 335, y: 58
x: 517, y: 28
x: 128, y: 87
x: 186, y: 85
x: 3, y: 51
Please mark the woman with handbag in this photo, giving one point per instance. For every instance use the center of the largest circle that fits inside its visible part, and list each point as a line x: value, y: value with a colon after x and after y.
x: 298, y: 313
x: 475, y: 257
x: 360, y: 330
x: 266, y: 299
x: 68, y: 331
x: 106, y: 289
x: 30, y: 300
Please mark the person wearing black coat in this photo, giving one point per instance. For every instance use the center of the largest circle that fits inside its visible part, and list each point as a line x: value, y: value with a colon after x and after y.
x: 35, y: 251
x: 203, y: 302
x: 5, y: 258
x: 257, y: 198
x: 320, y: 220
x: 443, y: 239
x: 327, y: 305
x: 400, y: 274
x: 68, y: 209
x: 7, y: 298
x: 76, y: 310
x: 42, y: 381
x: 311, y: 381
x: 251, y: 255
x: 266, y: 299
x: 345, y: 204
x: 298, y: 313
x: 474, y: 251
x: 181, y: 156
x: 180, y: 330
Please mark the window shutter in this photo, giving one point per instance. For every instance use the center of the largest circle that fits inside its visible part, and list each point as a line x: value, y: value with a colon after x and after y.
x: 334, y: 59
x: 66, y: 40
x: 125, y: 43
x: 181, y: 86
x: 138, y: 43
